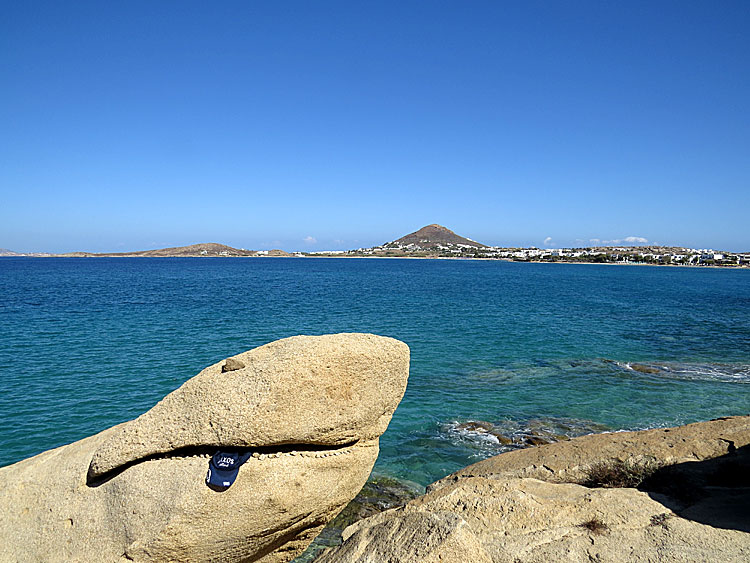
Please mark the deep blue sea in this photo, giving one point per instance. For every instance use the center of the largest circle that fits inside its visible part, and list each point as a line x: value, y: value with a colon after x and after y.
x: 88, y: 343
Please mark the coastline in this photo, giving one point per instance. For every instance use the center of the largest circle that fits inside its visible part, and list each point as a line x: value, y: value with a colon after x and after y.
x: 735, y: 267
x: 452, y: 258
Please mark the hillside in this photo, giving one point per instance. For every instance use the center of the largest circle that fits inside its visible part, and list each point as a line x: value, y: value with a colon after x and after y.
x: 202, y: 249
x: 433, y: 236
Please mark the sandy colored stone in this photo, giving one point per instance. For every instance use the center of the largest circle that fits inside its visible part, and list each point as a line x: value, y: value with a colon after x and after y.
x: 569, y: 460
x: 494, y: 511
x: 327, y: 390
x: 314, y: 407
x: 409, y: 535
x: 527, y: 520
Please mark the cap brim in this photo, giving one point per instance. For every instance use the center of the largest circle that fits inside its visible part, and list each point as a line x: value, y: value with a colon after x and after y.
x: 219, y: 478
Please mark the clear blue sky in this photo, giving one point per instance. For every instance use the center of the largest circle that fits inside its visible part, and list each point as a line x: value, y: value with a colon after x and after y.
x: 325, y: 125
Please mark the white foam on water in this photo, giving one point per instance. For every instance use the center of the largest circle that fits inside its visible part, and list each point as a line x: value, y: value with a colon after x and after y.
x: 720, y: 372
x: 727, y: 373
x: 480, y: 440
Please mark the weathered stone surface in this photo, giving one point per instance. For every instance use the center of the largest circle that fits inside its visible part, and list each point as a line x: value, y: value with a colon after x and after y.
x: 496, y: 511
x: 314, y: 390
x: 380, y: 493
x: 409, y: 536
x: 568, y: 460
x: 312, y: 409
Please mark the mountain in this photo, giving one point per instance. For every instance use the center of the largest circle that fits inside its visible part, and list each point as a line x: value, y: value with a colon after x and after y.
x: 6, y: 252
x: 202, y: 249
x: 433, y: 236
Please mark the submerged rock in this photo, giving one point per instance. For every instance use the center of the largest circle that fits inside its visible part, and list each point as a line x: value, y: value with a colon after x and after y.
x: 311, y: 409
x: 644, y: 368
x: 527, y: 506
x: 535, y: 441
x: 475, y: 426
x: 522, y: 434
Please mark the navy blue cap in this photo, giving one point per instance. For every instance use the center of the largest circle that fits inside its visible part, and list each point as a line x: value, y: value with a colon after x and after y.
x: 223, y: 468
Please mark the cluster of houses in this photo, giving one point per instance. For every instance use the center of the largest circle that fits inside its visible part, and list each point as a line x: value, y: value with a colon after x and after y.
x: 607, y: 254
x: 647, y: 255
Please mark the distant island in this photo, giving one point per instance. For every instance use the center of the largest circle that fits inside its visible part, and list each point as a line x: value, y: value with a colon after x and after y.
x: 212, y: 249
x: 436, y: 241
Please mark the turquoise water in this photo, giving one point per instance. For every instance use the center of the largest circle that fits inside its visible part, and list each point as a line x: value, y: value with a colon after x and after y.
x: 88, y: 343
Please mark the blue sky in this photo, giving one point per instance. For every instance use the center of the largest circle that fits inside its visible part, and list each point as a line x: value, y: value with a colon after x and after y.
x: 334, y: 125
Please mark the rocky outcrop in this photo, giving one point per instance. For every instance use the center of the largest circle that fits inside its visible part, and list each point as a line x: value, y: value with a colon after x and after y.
x: 568, y: 461
x: 528, y: 506
x: 311, y: 409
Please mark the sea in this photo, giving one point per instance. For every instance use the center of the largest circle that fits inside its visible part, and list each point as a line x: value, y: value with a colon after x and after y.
x: 498, y: 349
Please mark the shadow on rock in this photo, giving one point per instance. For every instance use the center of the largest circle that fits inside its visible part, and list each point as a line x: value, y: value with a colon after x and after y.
x: 715, y: 492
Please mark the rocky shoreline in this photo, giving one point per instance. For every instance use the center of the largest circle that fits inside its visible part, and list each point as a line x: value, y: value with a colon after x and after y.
x: 675, y: 494
x: 383, y: 492
x: 145, y: 490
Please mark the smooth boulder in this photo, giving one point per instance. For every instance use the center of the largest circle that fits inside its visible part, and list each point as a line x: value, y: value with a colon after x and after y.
x: 310, y: 408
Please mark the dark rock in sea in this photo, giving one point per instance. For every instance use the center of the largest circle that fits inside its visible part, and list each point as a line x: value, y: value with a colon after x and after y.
x: 644, y: 369
x: 535, y: 441
x: 534, y: 432
x: 481, y: 427
x: 475, y: 426
x: 502, y: 438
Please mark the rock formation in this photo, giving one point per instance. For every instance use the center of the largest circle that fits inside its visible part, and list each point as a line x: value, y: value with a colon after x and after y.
x: 311, y: 409
x: 527, y: 505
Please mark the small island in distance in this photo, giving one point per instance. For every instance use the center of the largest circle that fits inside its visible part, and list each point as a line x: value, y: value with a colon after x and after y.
x: 436, y: 241
x: 210, y: 249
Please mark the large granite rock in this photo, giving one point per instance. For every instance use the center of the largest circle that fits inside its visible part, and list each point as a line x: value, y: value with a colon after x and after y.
x: 517, y: 507
x: 310, y: 408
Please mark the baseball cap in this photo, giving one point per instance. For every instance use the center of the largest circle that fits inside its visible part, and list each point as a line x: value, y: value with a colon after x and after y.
x: 223, y: 468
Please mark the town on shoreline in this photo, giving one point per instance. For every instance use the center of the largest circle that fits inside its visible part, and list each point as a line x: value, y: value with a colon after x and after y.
x: 436, y: 241
x: 651, y: 255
